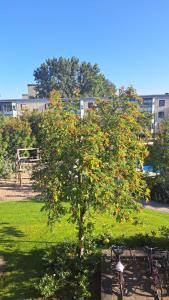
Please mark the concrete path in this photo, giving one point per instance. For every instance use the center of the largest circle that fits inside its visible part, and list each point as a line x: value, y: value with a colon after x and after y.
x: 158, y: 206
x: 138, y: 285
x: 11, y: 191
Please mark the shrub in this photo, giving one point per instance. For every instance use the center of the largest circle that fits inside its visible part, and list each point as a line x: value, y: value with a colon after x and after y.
x: 5, y: 168
x: 67, y: 276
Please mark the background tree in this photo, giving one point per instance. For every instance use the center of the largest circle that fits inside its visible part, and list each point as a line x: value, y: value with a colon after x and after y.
x: 16, y: 133
x: 89, y: 164
x: 21, y: 132
x: 68, y: 75
x: 5, y: 164
x: 33, y: 119
x: 159, y: 159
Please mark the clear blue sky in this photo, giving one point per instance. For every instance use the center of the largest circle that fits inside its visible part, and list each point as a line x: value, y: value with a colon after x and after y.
x: 129, y: 39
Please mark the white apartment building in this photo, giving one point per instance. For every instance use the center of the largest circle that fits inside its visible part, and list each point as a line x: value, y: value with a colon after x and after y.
x: 158, y: 106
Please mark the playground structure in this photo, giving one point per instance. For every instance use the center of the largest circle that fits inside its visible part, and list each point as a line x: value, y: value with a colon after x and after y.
x: 26, y: 159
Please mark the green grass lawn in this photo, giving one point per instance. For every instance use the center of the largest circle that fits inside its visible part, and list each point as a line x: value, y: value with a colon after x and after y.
x: 24, y: 236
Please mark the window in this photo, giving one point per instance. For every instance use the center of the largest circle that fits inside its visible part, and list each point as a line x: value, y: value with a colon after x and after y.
x: 147, y: 101
x: 161, y: 114
x: 90, y: 105
x: 7, y: 107
x: 47, y: 105
x: 23, y: 106
x: 146, y: 109
x: 161, y: 102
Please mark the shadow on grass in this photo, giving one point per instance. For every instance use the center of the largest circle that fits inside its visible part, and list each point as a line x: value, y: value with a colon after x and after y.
x: 35, y: 199
x: 21, y: 267
x: 22, y: 272
x: 8, y: 231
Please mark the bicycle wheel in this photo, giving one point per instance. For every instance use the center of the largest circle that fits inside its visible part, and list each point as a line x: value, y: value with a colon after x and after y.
x: 159, y: 295
x: 121, y: 283
x: 158, y: 290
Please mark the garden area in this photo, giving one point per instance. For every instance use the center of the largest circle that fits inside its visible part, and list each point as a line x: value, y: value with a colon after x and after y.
x: 25, y: 238
x: 89, y: 187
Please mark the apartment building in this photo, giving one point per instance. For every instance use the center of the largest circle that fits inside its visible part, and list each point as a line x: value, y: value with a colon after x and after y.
x: 16, y: 107
x: 158, y: 106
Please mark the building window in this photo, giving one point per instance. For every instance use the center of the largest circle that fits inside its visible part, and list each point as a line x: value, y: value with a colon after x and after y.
x: 90, y: 105
x: 47, y: 105
x: 161, y: 102
x: 161, y: 114
x: 7, y: 108
x: 23, y: 106
x: 147, y: 101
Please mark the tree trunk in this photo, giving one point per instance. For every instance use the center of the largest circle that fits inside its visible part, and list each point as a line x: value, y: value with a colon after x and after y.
x: 81, y: 227
x: 81, y: 234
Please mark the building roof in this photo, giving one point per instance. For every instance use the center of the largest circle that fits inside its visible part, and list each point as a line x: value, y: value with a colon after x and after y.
x: 166, y: 95
x: 34, y: 100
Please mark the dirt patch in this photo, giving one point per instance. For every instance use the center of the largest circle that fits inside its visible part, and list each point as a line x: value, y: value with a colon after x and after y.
x: 10, y: 190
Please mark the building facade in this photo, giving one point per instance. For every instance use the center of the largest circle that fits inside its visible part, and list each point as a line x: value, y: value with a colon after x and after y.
x: 16, y: 107
x: 156, y: 105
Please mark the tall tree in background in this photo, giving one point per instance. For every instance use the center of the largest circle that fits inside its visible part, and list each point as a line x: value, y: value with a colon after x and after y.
x: 69, y: 75
x: 90, y: 163
x: 159, y: 159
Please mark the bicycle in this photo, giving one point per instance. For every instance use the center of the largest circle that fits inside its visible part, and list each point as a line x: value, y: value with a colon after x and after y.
x: 118, y: 251
x: 165, y: 262
x: 154, y: 267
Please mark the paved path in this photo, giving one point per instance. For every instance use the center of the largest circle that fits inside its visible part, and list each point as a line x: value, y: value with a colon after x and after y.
x: 158, y: 206
x: 138, y: 285
x: 11, y: 191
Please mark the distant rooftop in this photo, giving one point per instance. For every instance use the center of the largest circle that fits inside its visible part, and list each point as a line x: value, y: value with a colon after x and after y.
x: 156, y: 95
x: 44, y: 100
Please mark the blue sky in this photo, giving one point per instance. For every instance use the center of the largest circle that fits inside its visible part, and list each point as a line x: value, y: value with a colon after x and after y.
x: 129, y: 39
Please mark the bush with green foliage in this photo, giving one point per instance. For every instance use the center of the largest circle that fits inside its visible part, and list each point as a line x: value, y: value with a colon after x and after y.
x: 67, y: 276
x: 159, y: 159
x: 5, y: 163
x: 16, y: 133
x: 34, y: 120
x: 6, y: 169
